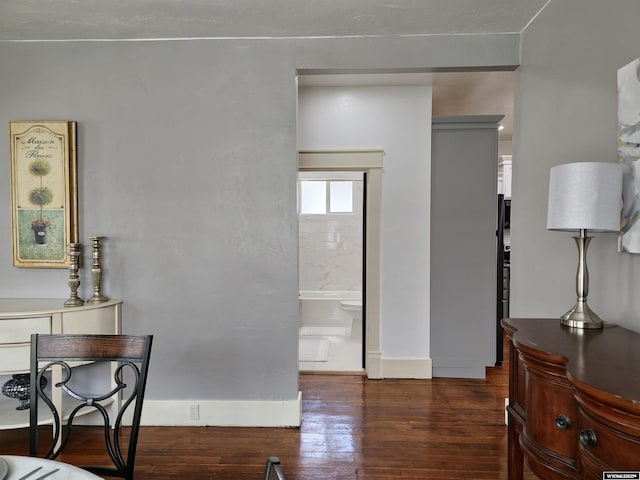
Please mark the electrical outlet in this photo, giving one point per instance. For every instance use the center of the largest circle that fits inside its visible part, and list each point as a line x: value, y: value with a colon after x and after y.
x: 194, y: 412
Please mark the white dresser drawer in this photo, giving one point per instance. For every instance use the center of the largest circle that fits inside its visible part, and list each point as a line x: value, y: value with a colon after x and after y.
x: 19, y: 330
x: 99, y: 320
x: 14, y: 358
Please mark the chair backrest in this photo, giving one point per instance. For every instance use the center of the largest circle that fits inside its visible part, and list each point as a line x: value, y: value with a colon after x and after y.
x: 56, y: 357
x: 273, y: 470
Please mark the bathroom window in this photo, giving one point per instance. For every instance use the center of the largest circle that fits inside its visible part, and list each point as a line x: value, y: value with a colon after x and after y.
x: 341, y: 197
x: 319, y: 197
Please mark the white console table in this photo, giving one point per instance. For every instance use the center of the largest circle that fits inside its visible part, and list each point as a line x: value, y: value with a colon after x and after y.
x: 19, y: 318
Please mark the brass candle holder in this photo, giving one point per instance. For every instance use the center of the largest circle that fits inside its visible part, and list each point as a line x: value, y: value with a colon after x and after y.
x: 74, y: 279
x: 96, y: 270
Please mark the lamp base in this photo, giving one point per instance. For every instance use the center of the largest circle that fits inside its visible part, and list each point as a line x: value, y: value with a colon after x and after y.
x: 581, y: 316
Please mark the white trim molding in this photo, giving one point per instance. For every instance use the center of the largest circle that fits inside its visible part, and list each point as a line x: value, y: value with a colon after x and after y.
x: 224, y: 413
x: 369, y: 161
x: 417, y: 368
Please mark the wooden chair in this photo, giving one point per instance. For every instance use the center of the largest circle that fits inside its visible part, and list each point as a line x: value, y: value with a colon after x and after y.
x: 273, y: 470
x: 57, y: 357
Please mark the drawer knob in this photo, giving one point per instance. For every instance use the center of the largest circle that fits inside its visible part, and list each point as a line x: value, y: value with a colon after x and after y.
x: 588, y: 438
x: 563, y: 422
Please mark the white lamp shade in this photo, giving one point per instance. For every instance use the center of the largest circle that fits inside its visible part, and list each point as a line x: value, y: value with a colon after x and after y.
x: 585, y: 195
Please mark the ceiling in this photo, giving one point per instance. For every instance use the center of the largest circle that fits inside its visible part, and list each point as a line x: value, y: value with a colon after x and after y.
x: 454, y: 92
x: 128, y: 19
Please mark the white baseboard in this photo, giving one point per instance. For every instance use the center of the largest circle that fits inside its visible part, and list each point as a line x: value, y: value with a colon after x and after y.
x: 419, y: 368
x: 265, y: 413
x: 380, y: 367
x: 224, y: 413
x: 374, y: 364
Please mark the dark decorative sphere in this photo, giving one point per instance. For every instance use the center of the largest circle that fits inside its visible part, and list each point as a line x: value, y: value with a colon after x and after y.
x: 19, y: 387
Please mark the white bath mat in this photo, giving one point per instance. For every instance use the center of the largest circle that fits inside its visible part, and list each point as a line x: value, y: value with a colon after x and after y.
x: 325, y: 331
x: 313, y: 350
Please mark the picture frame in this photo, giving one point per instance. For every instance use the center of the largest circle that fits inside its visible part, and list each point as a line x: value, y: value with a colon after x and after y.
x: 44, y: 200
x: 628, y: 140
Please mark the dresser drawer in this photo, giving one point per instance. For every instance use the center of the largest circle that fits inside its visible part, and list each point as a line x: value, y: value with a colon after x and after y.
x: 591, y: 468
x: 19, y: 330
x: 551, y: 413
x: 14, y: 358
x: 608, y: 448
x: 96, y: 321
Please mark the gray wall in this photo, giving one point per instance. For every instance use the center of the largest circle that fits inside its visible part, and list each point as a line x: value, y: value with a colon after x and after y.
x: 566, y: 110
x: 187, y: 163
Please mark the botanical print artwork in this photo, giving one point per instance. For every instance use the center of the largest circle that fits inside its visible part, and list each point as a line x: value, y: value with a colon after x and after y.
x: 43, y: 192
x: 629, y: 154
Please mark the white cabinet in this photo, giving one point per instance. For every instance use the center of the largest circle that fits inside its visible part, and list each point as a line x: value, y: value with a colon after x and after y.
x: 19, y: 318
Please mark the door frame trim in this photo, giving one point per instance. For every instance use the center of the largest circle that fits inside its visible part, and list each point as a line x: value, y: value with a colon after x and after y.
x: 370, y: 162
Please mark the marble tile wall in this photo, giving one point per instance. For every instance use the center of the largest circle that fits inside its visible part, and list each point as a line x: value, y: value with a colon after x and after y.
x: 330, y: 255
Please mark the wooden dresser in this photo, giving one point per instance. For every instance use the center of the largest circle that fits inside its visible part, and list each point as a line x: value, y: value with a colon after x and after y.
x: 574, y: 399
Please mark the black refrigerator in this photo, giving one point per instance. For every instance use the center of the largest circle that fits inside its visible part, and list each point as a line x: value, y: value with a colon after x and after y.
x: 503, y: 269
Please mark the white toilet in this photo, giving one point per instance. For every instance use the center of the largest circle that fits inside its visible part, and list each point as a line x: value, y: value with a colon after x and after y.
x: 353, y: 307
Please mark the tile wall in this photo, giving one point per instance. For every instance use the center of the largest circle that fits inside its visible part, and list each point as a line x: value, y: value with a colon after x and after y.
x: 331, y: 249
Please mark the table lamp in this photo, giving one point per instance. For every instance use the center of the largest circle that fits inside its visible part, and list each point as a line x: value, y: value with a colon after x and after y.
x: 584, y: 196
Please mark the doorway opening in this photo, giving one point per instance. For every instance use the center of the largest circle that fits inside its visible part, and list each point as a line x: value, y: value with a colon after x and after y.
x: 331, y: 270
x: 364, y: 167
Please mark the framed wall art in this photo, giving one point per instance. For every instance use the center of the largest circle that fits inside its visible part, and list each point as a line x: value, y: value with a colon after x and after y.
x: 43, y: 192
x: 629, y: 155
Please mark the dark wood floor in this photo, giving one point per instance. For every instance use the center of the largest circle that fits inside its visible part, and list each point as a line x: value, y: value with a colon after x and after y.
x: 352, y: 428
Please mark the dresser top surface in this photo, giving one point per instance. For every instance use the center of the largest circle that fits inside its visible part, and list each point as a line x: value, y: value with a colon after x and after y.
x: 19, y: 307
x: 607, y: 359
